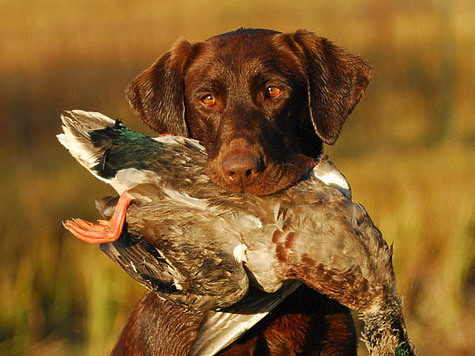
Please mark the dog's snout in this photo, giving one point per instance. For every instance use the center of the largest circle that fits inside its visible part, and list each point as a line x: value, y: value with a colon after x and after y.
x: 241, y: 168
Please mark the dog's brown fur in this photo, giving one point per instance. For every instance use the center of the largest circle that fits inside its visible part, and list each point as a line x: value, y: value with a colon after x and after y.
x: 262, y: 103
x: 306, y: 323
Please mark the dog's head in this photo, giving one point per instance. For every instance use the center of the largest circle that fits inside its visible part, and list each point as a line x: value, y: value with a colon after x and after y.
x: 261, y: 102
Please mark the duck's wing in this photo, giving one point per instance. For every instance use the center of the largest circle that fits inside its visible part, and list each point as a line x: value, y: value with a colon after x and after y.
x: 141, y: 261
x: 220, y: 329
x: 174, y: 257
x: 213, y: 288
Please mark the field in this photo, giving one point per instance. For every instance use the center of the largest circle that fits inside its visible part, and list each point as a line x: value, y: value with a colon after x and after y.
x: 408, y: 151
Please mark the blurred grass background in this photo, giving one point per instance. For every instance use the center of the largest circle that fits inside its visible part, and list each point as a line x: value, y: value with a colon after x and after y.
x: 408, y: 150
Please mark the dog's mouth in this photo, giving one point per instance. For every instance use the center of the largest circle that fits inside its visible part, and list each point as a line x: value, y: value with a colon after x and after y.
x: 271, y: 179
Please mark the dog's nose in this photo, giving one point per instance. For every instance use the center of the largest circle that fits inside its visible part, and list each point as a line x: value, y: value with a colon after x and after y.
x: 242, y: 168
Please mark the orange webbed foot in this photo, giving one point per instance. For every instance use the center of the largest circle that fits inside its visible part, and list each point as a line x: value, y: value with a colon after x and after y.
x: 105, y: 230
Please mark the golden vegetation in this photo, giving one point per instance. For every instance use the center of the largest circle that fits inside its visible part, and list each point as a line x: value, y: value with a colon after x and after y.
x: 408, y: 151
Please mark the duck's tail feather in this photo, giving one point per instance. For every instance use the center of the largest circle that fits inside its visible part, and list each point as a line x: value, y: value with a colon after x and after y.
x: 76, y: 137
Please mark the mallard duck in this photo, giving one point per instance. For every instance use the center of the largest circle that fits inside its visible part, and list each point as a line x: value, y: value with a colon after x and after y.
x: 196, y: 244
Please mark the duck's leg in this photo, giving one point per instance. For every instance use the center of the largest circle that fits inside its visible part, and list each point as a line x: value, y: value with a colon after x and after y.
x: 105, y: 230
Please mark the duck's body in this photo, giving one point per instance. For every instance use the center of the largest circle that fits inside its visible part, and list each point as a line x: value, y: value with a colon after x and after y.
x: 205, y: 247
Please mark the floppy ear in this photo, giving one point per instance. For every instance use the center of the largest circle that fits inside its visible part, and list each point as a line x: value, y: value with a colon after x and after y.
x: 336, y: 81
x: 157, y: 94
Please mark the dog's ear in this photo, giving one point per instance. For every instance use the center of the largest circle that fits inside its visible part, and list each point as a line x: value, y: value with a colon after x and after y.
x: 336, y: 81
x: 157, y: 94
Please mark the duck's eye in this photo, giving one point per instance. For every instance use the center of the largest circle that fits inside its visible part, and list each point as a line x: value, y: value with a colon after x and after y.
x: 208, y: 100
x: 273, y: 92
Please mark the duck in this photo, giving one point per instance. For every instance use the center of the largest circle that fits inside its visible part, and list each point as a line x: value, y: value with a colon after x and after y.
x: 237, y: 256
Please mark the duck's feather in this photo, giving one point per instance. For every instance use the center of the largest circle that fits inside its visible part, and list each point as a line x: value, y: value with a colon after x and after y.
x: 106, y: 148
x: 311, y: 232
x: 193, y: 271
x: 220, y: 329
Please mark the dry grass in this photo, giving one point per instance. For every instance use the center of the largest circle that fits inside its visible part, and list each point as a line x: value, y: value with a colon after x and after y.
x: 408, y: 150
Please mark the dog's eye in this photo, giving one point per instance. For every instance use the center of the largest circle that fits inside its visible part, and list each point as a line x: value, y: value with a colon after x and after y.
x: 273, y: 92
x: 208, y: 100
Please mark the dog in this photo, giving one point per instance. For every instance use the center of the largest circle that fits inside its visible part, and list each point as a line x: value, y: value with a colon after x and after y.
x: 262, y: 103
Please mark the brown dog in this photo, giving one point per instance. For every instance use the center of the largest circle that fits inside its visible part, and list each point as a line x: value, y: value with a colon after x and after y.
x: 262, y: 103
